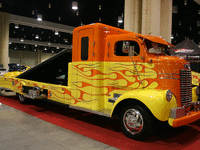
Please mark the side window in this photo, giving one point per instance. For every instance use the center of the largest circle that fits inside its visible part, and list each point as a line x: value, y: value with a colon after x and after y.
x: 126, y: 48
x: 84, y: 48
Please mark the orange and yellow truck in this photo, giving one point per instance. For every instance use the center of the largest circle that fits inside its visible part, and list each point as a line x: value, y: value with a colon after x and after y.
x: 114, y: 72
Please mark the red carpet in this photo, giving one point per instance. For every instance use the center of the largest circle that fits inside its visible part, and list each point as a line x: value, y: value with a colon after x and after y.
x: 107, y: 130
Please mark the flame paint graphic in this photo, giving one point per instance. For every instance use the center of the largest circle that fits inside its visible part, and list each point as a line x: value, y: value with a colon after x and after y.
x: 195, y: 78
x: 95, y: 81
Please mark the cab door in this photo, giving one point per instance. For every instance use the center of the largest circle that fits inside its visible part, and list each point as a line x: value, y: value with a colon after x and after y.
x: 126, y: 65
x: 81, y: 70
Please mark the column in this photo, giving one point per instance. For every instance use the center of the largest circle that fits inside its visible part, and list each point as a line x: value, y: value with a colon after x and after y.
x: 4, y: 39
x: 166, y: 20
x: 133, y: 15
x: 39, y: 55
x: 151, y: 17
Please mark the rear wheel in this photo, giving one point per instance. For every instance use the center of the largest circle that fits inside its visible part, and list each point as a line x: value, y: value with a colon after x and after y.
x: 22, y: 99
x: 136, y: 122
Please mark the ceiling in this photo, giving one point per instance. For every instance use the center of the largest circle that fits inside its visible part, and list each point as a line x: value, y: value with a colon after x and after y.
x: 184, y: 23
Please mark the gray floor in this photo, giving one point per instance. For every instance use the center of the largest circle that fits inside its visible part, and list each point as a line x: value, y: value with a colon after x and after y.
x: 20, y: 131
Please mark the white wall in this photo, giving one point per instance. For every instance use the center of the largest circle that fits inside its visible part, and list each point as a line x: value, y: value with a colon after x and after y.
x: 28, y: 58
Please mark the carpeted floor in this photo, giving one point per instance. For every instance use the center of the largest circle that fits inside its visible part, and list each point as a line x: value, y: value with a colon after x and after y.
x: 107, y: 130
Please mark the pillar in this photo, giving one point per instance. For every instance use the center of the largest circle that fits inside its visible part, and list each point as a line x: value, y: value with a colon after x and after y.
x: 166, y: 20
x: 133, y: 15
x: 151, y: 17
x: 39, y: 56
x: 4, y: 39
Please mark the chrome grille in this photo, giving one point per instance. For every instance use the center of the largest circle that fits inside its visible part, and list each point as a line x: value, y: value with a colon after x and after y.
x: 186, y: 87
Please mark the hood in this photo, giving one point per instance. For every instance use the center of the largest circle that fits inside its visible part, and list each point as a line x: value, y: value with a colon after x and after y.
x: 169, y: 70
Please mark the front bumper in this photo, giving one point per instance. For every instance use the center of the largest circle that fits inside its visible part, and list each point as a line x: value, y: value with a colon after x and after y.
x: 179, y: 116
x: 184, y: 120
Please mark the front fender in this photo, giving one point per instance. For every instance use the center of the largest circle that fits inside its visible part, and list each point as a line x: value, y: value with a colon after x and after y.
x: 155, y: 101
x: 194, y: 96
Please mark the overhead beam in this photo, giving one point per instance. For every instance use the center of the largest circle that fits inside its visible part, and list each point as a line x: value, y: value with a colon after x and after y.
x: 40, y: 24
x: 13, y: 40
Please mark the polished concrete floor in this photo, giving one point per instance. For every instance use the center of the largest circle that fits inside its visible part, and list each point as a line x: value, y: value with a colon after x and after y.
x: 20, y: 131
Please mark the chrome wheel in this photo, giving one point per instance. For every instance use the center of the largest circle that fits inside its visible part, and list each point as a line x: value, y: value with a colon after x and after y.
x: 133, y: 121
x: 136, y: 122
x: 22, y: 99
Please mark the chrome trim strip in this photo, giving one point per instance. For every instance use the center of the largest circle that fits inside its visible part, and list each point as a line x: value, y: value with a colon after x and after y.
x: 169, y: 78
x: 170, y: 73
x: 90, y: 111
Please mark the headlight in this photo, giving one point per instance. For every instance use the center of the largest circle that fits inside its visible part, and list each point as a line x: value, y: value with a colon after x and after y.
x: 169, y: 95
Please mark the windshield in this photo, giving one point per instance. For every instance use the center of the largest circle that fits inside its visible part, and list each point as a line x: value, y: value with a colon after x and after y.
x: 157, y: 48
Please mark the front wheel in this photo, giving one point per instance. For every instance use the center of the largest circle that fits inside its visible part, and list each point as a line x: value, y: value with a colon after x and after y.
x: 22, y: 99
x: 136, y: 122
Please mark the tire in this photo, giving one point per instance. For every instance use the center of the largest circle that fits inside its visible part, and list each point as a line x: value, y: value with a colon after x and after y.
x: 22, y: 99
x: 136, y: 122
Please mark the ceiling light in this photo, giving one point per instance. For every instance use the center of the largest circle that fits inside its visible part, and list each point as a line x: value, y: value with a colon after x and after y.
x: 120, y: 19
x: 185, y: 2
x: 10, y: 42
x: 45, y: 48
x: 16, y: 26
x: 56, y: 33
x: 57, y: 47
x: 172, y: 37
x: 37, y: 36
x: 179, y: 23
x: 198, y: 23
x: 35, y: 45
x: 99, y: 7
x: 39, y: 17
x: 22, y: 40
x: 66, y: 40
x: 49, y: 5
x: 175, y: 9
x: 74, y: 5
